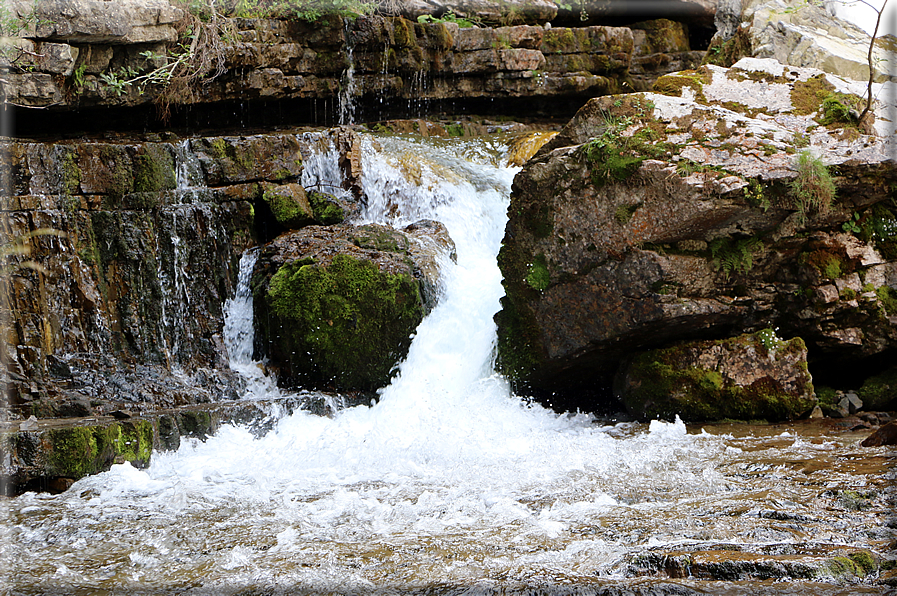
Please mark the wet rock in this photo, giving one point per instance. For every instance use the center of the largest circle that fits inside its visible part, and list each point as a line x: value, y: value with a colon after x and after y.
x: 337, y: 305
x: 290, y: 205
x: 851, y: 403
x: 652, y: 219
x: 886, y: 435
x: 816, y: 412
x: 746, y: 378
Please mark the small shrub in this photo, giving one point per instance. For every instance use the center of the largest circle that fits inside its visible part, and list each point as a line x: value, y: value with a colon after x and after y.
x: 813, y: 188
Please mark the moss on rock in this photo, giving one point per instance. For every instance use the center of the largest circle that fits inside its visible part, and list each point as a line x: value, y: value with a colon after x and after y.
x: 742, y: 378
x: 153, y: 169
x: 325, y: 208
x: 75, y: 452
x: 345, y: 323
x: 289, y: 205
x: 879, y: 392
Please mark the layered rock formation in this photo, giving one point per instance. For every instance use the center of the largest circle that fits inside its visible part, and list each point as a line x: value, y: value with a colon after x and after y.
x: 91, y: 53
x: 801, y: 35
x: 702, y: 213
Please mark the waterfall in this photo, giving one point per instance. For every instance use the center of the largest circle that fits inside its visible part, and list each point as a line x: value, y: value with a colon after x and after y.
x: 450, y: 483
x: 238, y: 331
x: 348, y: 88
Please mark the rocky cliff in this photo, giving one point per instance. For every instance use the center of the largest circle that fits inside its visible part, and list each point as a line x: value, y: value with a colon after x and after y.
x: 79, y: 55
x: 732, y: 200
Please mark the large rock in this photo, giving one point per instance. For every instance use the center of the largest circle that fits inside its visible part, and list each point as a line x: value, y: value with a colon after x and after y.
x: 100, y: 21
x: 652, y: 219
x: 337, y: 306
x: 749, y: 377
x: 802, y: 34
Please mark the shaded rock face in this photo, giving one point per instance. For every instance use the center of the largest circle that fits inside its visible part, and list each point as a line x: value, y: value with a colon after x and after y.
x: 378, y: 57
x: 652, y: 219
x: 750, y: 377
x: 124, y: 255
x: 336, y: 306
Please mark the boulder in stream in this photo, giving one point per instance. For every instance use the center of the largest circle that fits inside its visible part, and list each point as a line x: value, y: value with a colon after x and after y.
x: 336, y: 306
x: 749, y: 377
x: 731, y: 201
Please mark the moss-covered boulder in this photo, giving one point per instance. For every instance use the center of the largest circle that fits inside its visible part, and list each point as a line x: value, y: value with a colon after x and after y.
x: 336, y: 306
x: 52, y: 455
x: 725, y: 203
x: 750, y: 377
x: 290, y: 205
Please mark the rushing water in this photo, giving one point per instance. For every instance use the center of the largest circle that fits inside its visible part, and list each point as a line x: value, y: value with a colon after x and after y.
x: 450, y: 484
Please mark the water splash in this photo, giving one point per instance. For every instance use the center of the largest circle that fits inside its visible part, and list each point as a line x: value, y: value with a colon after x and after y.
x: 450, y: 481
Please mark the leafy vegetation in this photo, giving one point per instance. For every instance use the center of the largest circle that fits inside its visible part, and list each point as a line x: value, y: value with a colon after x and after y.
x: 734, y: 256
x: 813, y: 188
x: 450, y: 17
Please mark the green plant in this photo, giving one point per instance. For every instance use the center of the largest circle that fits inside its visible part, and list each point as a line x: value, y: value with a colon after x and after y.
x: 852, y: 225
x: 768, y: 339
x: 754, y: 194
x: 813, y: 188
x: 734, y: 256
x: 450, y: 17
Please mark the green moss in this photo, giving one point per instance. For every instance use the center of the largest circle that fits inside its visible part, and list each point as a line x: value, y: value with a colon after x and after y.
x: 325, y: 208
x: 879, y: 392
x: 121, y: 179
x: 827, y: 264
x: 807, y: 96
x: 403, y: 33
x: 672, y: 84
x: 78, y: 451
x: 382, y: 238
x: 348, y: 322
x: 219, y: 146
x: 71, y: 174
x: 663, y: 386
x: 154, y: 169
x: 74, y: 452
x: 538, y: 277
x: 287, y: 209
x: 728, y: 52
x: 835, y: 109
x: 864, y: 560
x: 624, y: 213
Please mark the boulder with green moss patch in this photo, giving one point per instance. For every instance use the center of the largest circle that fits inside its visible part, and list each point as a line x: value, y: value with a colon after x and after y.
x: 336, y: 306
x: 685, y: 214
x: 290, y: 205
x: 750, y: 377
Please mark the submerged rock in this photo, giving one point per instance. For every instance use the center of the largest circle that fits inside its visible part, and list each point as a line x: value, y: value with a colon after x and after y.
x: 886, y: 435
x: 337, y: 306
x: 750, y: 377
x: 657, y: 218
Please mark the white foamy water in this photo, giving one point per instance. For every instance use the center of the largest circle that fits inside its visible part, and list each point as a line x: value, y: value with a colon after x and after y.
x: 449, y: 483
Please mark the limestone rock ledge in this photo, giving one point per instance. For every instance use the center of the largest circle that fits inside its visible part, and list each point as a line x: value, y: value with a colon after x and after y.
x: 657, y: 218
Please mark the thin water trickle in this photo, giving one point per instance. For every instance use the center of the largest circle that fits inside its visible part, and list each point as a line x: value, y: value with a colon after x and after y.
x: 450, y: 483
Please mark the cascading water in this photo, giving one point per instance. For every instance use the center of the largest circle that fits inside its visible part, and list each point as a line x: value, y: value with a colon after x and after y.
x: 449, y: 484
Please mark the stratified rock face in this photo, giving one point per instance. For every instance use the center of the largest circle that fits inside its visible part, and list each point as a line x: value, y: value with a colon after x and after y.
x: 123, y: 257
x: 750, y: 377
x: 337, y: 306
x: 652, y: 219
x: 89, y: 51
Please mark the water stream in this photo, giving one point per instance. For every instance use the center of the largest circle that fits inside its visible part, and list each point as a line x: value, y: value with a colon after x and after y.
x: 450, y: 484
